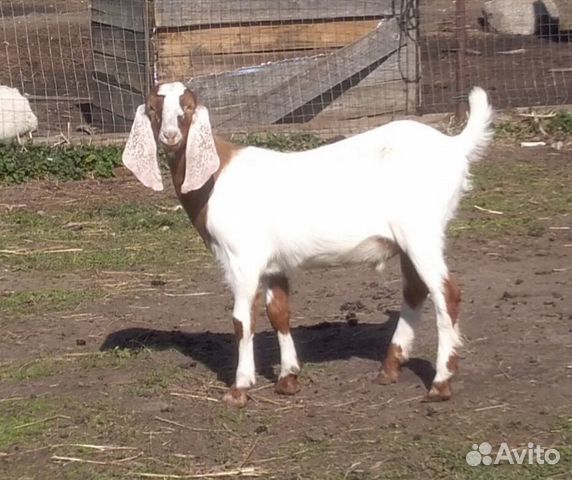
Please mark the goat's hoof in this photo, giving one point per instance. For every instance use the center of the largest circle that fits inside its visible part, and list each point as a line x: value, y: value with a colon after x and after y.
x: 287, y: 385
x: 439, y: 392
x: 235, y: 397
x: 384, y: 378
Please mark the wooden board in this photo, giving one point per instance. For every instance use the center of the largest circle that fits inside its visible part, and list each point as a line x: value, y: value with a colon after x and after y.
x: 115, y: 42
x: 179, y: 13
x: 261, y: 38
x: 169, y: 69
x: 389, y: 89
x: 121, y: 72
x: 199, y: 52
x: 109, y: 122
x: 321, y: 76
x: 127, y: 14
x: 410, y: 63
x: 226, y: 95
x: 383, y: 91
x: 123, y: 102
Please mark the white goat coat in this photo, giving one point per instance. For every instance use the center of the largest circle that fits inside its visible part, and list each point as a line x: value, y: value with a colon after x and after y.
x: 333, y: 204
x: 360, y: 200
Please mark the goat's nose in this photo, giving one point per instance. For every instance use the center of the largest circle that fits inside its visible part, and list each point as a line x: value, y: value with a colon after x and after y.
x: 170, y: 137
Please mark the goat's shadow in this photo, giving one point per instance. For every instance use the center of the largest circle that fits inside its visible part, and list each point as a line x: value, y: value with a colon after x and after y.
x: 318, y: 343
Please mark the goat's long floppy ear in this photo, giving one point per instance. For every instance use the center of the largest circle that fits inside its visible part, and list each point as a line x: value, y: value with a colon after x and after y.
x: 140, y: 153
x: 201, y: 156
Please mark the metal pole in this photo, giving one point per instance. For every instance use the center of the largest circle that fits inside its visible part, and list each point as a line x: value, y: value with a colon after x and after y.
x: 461, y: 66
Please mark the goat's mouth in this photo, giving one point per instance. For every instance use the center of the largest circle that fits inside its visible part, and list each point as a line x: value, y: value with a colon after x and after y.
x: 171, y: 145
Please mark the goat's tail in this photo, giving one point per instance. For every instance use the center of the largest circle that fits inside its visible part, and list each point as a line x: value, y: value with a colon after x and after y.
x: 478, y: 132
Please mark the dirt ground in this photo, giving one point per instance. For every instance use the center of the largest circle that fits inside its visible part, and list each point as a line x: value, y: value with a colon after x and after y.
x: 47, y: 53
x: 129, y: 383
x: 516, y: 70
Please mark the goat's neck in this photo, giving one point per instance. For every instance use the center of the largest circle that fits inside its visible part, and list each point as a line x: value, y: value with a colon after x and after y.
x: 195, y: 202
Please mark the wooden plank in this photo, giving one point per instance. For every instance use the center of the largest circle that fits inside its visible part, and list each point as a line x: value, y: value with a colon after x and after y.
x: 410, y: 76
x: 192, y: 53
x: 121, y: 72
x: 108, y: 122
x: 125, y: 14
x: 409, y: 56
x: 335, y: 129
x: 387, y: 97
x: 119, y: 100
x: 369, y: 93
x: 245, y: 85
x: 381, y: 91
x: 115, y: 42
x: 322, y: 76
x: 171, y: 69
x: 261, y: 38
x: 172, y: 13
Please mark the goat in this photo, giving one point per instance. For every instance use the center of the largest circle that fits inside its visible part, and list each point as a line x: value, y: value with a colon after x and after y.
x: 389, y: 191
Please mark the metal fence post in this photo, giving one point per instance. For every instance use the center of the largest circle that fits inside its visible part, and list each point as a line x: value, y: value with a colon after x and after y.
x: 461, y: 60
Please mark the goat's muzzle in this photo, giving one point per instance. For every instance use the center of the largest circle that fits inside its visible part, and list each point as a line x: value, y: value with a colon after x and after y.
x: 170, y: 140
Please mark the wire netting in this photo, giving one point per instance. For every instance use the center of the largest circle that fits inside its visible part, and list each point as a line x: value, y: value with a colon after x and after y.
x: 321, y: 65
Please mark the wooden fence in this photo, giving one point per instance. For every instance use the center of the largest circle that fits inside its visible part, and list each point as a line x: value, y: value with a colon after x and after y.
x: 256, y: 63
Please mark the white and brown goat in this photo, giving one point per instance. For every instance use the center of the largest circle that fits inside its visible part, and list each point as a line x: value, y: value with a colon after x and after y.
x: 391, y: 190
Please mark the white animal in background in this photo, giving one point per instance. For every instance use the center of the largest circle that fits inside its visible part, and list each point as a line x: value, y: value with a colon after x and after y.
x: 16, y: 115
x: 389, y: 191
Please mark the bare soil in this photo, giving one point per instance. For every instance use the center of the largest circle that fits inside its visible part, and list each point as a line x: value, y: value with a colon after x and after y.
x: 516, y: 70
x: 514, y: 383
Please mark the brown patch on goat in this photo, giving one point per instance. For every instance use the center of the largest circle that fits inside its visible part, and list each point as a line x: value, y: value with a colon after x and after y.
x: 154, y: 110
x: 391, y: 366
x: 225, y: 151
x: 278, y: 309
x: 254, y: 310
x: 195, y: 202
x: 237, y: 324
x: 238, y: 328
x: 440, y: 391
x: 414, y: 291
x: 236, y: 397
x: 287, y: 385
x: 452, y: 299
x: 453, y: 363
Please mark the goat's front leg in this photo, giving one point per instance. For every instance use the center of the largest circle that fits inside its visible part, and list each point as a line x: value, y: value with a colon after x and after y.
x: 278, y: 311
x: 243, y: 321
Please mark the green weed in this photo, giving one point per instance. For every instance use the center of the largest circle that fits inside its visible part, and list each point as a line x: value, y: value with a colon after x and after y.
x: 31, y: 162
x: 44, y: 301
x: 20, y: 420
x: 116, y: 236
x: 283, y: 142
x: 557, y: 125
x: 525, y: 194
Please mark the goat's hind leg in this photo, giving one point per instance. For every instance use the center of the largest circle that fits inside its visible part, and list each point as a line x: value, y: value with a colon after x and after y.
x: 430, y: 265
x: 414, y: 295
x: 278, y: 311
x: 447, y: 302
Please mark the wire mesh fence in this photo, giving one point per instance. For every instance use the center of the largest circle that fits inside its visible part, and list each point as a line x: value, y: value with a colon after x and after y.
x: 518, y: 50
x: 322, y: 65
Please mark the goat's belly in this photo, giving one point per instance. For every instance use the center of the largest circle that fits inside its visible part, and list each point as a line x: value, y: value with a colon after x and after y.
x: 372, y: 251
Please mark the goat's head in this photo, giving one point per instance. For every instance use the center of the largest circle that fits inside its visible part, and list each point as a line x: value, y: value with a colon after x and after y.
x: 173, y: 118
